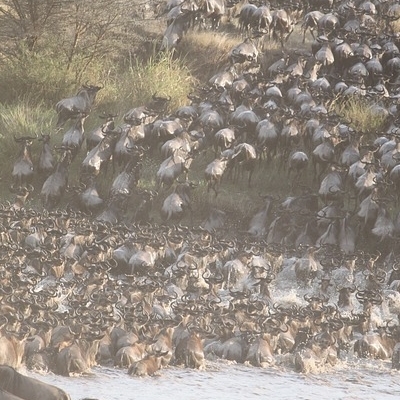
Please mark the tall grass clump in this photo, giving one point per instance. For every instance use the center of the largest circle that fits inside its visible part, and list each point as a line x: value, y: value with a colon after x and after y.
x: 162, y: 75
x: 16, y: 120
x: 360, y: 113
x: 24, y: 119
x: 43, y: 76
x: 206, y: 52
x: 37, y: 76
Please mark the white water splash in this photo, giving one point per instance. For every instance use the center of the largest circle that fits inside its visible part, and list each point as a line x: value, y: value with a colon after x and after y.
x: 350, y: 379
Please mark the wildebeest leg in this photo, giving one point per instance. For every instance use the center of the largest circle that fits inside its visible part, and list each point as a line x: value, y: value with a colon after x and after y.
x: 198, y: 360
x: 6, y: 378
x: 250, y: 175
x: 189, y: 207
x: 216, y: 191
x: 396, y: 357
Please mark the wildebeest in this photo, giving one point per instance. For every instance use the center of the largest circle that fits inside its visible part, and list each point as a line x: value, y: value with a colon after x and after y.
x: 97, y: 134
x: 78, y: 357
x: 246, y: 17
x: 73, y: 137
x: 172, y: 167
x: 128, y: 355
x: 46, y: 160
x: 175, y: 205
x: 282, y: 25
x: 213, y: 173
x: 23, y: 167
x: 100, y: 155
x: 28, y: 388
x: 81, y: 103
x: 55, y: 185
x: 214, y: 10
x: 176, y: 30
x: 256, y: 18
x: 189, y: 348
x: 243, y: 159
x: 246, y: 51
x: 310, y: 22
x: 89, y: 198
x: 8, y: 396
x: 260, y: 353
x: 11, y: 350
x: 319, y: 350
x: 147, y: 366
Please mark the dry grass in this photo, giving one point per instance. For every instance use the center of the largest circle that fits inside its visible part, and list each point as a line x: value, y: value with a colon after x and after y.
x: 357, y: 111
x: 24, y: 119
x: 38, y: 76
x: 16, y: 120
x: 206, y: 52
x: 161, y: 74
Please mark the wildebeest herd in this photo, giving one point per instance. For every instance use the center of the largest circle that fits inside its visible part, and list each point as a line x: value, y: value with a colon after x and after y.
x: 93, y: 284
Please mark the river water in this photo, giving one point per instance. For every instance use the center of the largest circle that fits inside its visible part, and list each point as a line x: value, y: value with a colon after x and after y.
x: 351, y: 379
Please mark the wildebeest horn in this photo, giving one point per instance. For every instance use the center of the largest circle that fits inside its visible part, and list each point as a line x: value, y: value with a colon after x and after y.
x: 158, y: 98
x: 109, y: 115
x: 22, y: 138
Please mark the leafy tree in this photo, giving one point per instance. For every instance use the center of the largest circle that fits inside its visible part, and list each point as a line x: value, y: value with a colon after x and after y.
x: 28, y: 19
x: 79, y: 30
